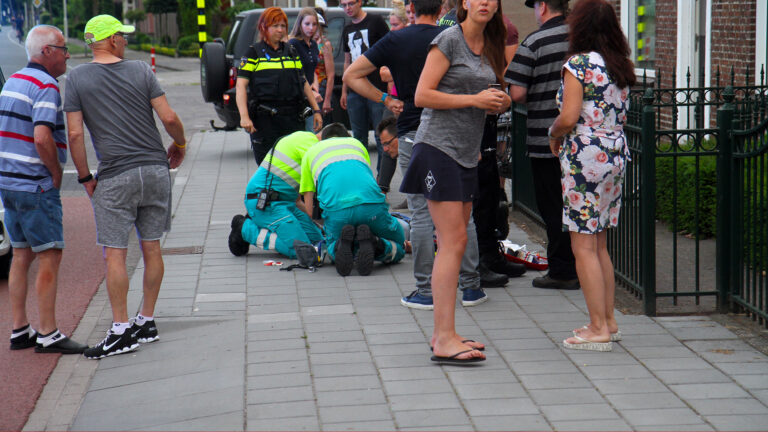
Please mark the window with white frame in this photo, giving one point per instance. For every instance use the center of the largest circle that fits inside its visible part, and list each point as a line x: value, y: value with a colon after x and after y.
x: 641, y: 31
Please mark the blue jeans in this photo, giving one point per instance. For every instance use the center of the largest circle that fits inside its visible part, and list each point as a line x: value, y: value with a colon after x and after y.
x: 34, y: 219
x: 422, y: 241
x: 365, y: 115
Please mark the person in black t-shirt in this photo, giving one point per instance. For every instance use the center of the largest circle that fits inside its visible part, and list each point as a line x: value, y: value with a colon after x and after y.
x: 364, y: 31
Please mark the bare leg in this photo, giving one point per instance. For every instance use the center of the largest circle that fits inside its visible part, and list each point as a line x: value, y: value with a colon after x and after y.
x: 17, y: 285
x: 153, y: 275
x: 47, y: 276
x: 450, y: 219
x: 117, y: 283
x: 609, y: 279
x: 591, y: 278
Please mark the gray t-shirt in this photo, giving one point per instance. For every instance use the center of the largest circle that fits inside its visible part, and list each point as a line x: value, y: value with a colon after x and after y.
x: 115, y: 102
x: 457, y: 132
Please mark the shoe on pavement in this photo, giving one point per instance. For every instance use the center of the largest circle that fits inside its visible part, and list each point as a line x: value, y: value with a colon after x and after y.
x: 60, y: 344
x: 415, y: 300
x: 114, y: 344
x: 490, y: 279
x: 344, y: 255
x: 237, y: 245
x: 146, y: 333
x: 550, y: 283
x: 23, y: 339
x: 365, y: 249
x: 498, y: 264
x: 473, y: 297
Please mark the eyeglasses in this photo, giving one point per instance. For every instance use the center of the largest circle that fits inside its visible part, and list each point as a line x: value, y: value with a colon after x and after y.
x: 65, y: 48
x: 388, y: 142
x: 346, y: 5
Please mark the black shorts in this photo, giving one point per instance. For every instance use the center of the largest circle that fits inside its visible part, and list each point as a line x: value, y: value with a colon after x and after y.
x: 438, y: 177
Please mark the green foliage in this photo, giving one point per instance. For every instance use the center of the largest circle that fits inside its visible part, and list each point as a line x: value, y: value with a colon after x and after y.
x: 142, y: 38
x: 225, y: 31
x: 136, y: 15
x: 190, y: 42
x: 689, y: 184
x: 240, y: 6
x: 187, y: 17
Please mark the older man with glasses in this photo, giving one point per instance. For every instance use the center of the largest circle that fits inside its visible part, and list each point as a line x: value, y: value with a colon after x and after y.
x: 33, y: 146
x: 358, y: 36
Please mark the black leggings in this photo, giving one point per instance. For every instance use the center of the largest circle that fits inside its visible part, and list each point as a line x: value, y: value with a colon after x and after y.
x: 269, y: 129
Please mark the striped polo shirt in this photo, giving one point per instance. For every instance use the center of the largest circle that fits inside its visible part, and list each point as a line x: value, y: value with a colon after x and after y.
x: 537, y: 65
x: 29, y: 98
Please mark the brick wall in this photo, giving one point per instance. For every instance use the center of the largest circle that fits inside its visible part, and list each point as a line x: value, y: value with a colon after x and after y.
x: 733, y: 39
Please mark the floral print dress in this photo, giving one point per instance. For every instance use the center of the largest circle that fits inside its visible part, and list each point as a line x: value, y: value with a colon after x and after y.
x: 594, y: 155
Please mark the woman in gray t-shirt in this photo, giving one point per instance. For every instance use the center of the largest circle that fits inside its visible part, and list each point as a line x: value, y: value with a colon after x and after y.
x: 455, y: 89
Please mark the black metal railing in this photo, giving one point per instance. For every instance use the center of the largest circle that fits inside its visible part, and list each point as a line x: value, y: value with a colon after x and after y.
x: 692, y: 232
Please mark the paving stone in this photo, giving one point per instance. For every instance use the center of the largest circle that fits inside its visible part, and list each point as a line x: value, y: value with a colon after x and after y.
x: 231, y: 421
x: 347, y: 383
x: 294, y: 343
x: 752, y: 368
x: 676, y: 364
x: 533, y: 355
x: 661, y: 352
x: 573, y: 412
x: 423, y: 372
x: 360, y: 426
x: 370, y: 396
x: 488, y: 391
x: 343, y: 369
x: 728, y: 356
x: 622, y: 371
x: 511, y: 423
x: 709, y: 407
x: 500, y: 406
x: 334, y: 336
x: 265, y: 356
x: 288, y: 394
x: 710, y: 331
x: 699, y: 427
x: 296, y: 333
x: 645, y: 401
x: 709, y: 391
x: 522, y: 344
x: 592, y: 425
x: 396, y: 338
x: 339, y: 358
x: 554, y: 381
x: 586, y: 358
x: 428, y: 401
x: 742, y: 422
x: 417, y: 386
x: 406, y: 360
x: 431, y: 418
x: 480, y: 376
x: 696, y: 376
x: 286, y: 367
x: 284, y: 424
x: 752, y: 382
x: 657, y: 416
x: 337, y: 347
x: 354, y: 413
x: 279, y: 381
x: 543, y: 367
x: 634, y: 385
x: 281, y: 410
x: 566, y: 396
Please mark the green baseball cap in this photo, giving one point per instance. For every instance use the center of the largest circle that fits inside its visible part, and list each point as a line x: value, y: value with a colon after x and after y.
x: 103, y: 26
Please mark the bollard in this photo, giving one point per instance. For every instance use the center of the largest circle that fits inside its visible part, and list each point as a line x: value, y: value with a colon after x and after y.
x: 152, y: 54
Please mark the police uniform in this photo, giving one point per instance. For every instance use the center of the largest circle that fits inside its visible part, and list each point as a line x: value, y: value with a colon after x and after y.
x: 275, y: 93
x: 280, y: 222
x: 338, y: 170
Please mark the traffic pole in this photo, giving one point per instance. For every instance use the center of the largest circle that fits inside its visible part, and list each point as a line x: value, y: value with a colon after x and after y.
x: 152, y: 54
x: 202, y: 35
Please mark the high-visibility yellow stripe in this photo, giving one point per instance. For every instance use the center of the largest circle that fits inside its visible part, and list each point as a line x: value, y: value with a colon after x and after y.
x: 201, y: 4
x: 202, y: 36
x: 271, y: 65
x: 201, y: 20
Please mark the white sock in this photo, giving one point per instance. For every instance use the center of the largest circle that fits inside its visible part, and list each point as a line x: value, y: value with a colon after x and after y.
x: 141, y: 319
x: 26, y: 330
x: 120, y: 327
x: 50, y: 338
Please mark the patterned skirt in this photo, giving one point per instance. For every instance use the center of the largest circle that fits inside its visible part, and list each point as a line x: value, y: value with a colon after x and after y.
x: 592, y: 174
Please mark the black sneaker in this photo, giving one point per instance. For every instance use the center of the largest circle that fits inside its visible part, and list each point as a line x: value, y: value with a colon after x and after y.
x: 114, y: 344
x: 498, y: 264
x: 60, y: 344
x: 552, y: 283
x: 146, y: 333
x: 491, y: 279
x: 237, y: 245
x: 344, y: 256
x: 24, y: 340
x: 365, y: 250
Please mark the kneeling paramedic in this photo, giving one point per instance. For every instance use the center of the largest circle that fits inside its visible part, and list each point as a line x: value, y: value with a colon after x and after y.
x: 275, y: 214
x: 358, y: 225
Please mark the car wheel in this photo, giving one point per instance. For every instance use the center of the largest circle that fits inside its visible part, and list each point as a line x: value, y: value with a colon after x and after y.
x: 5, y: 264
x: 213, y: 71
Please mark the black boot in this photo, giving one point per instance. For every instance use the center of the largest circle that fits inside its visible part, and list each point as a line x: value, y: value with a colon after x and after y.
x: 237, y: 245
x: 497, y: 263
x: 490, y: 279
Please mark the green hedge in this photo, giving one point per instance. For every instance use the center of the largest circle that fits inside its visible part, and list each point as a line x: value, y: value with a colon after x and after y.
x: 687, y: 188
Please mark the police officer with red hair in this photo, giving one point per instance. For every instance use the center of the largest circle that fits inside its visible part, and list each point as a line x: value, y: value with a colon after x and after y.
x: 271, y: 87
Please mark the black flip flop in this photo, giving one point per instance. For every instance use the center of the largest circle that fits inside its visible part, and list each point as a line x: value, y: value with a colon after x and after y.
x: 464, y: 341
x: 457, y: 361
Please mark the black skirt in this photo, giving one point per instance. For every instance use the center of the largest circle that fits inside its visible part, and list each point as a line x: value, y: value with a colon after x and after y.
x: 438, y: 177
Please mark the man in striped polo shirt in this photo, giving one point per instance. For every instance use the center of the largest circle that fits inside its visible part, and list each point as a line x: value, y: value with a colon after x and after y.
x: 358, y: 226
x: 33, y: 145
x: 534, y: 75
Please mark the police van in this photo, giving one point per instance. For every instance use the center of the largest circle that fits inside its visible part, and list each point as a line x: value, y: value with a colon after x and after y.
x: 218, y: 65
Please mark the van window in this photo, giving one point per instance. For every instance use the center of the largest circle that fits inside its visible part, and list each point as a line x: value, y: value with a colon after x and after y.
x: 333, y: 33
x: 230, y: 48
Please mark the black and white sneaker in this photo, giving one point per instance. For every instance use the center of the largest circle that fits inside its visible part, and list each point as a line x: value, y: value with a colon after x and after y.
x: 114, y: 344
x: 23, y: 338
x: 146, y: 333
x: 58, y: 343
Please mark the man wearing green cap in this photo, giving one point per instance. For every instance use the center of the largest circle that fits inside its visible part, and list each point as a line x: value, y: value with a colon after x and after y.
x: 115, y: 98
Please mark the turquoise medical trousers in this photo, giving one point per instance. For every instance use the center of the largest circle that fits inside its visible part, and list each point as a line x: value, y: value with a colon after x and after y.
x: 377, y: 217
x: 277, y: 226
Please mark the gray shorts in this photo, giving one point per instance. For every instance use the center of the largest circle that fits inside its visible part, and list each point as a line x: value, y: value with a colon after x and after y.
x: 140, y: 196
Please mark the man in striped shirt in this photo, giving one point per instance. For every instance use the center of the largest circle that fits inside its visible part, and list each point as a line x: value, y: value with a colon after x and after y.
x: 32, y: 149
x: 534, y: 75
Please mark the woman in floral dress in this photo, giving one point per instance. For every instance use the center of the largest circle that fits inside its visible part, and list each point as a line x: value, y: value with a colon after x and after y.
x: 588, y: 137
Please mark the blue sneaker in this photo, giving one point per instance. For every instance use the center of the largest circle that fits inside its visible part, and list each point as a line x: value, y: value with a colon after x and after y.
x: 417, y: 301
x: 473, y: 297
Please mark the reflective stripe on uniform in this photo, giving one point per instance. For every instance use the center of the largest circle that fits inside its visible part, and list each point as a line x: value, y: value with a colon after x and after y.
x: 332, y: 159
x: 317, y: 159
x: 291, y: 175
x: 392, y: 252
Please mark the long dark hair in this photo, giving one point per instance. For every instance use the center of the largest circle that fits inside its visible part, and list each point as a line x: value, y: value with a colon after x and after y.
x: 593, y: 26
x: 494, y: 38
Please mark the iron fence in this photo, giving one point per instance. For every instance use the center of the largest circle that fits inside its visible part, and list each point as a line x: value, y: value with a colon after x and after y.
x: 693, y: 232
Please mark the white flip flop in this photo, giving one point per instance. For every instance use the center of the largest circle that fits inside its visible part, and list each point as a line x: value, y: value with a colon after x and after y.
x: 588, y: 345
x: 615, y: 337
